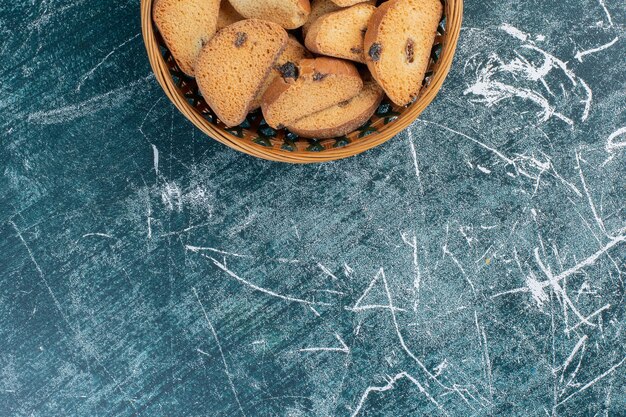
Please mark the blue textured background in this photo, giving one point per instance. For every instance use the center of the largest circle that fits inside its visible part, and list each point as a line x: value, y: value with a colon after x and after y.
x: 148, y: 270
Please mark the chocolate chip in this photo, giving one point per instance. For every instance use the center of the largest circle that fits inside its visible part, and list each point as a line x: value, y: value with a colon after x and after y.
x: 356, y: 50
x: 240, y: 39
x: 409, y: 51
x: 375, y: 51
x: 343, y: 103
x: 289, y: 70
x: 318, y: 76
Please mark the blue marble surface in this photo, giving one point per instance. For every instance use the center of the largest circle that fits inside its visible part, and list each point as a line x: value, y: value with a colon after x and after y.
x: 472, y: 266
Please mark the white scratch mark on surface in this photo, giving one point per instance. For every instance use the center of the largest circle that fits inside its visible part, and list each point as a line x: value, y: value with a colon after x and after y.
x: 415, y: 163
x: 357, y: 305
x: 606, y: 11
x: 459, y: 389
x: 565, y: 182
x: 343, y: 349
x: 143, y: 122
x: 219, y: 345
x: 260, y: 289
x: 469, y: 239
x: 513, y: 291
x: 48, y: 13
x: 390, y: 384
x: 374, y: 307
x: 155, y: 159
x: 588, y: 194
x: 536, y: 290
x: 568, y: 383
x: 446, y: 251
x: 98, y: 234
x: 482, y: 338
x: 591, y: 259
x: 589, y: 317
x: 594, y: 381
x: 240, y: 227
x: 559, y: 62
x: 479, y: 143
x: 332, y: 292
x: 515, y: 32
x: 57, y: 304
x: 295, y: 227
x: 88, y: 107
x: 580, y: 344
x: 580, y: 54
x: 611, y: 144
x: 172, y: 197
x: 185, y: 230
x: 492, y: 91
x: 587, y: 101
x: 392, y: 309
x: 41, y: 274
x: 417, y: 281
x: 483, y: 169
x: 327, y: 271
x: 441, y: 367
x: 560, y: 291
x: 149, y: 220
x: 399, y: 334
x: 91, y: 71
x: 198, y: 249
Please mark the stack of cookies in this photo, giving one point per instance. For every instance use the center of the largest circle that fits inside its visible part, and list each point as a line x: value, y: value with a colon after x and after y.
x: 319, y: 69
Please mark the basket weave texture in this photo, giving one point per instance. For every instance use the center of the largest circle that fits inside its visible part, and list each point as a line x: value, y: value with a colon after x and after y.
x: 256, y: 138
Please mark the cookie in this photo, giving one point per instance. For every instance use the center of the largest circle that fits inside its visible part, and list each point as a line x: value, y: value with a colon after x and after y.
x: 340, y: 34
x: 233, y: 66
x: 294, y: 52
x: 290, y: 14
x: 228, y: 15
x: 320, y: 8
x: 341, y: 118
x: 186, y: 25
x: 310, y: 86
x: 398, y: 43
x: 347, y: 3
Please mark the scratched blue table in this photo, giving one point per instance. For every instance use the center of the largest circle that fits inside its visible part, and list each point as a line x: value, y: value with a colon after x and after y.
x: 472, y: 266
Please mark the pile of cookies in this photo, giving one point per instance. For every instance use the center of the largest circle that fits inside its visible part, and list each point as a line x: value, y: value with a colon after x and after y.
x: 249, y: 54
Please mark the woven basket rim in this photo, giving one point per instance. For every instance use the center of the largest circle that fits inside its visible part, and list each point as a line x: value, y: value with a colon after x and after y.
x: 453, y: 14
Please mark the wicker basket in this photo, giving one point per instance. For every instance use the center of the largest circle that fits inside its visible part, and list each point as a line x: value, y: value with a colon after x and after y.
x: 254, y: 137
